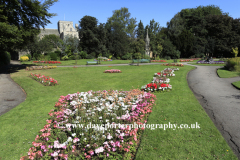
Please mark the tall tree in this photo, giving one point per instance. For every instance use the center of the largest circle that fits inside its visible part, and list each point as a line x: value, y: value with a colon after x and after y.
x: 140, y: 30
x: 193, y: 20
x: 220, y: 29
x: 89, y: 33
x: 122, y: 17
x: 20, y: 21
x: 121, y: 32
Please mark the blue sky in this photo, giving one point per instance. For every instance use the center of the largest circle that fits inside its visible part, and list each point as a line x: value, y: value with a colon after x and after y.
x: 160, y: 10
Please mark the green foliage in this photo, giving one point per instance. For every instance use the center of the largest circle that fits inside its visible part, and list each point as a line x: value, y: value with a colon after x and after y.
x: 53, y: 56
x: 127, y: 56
x: 58, y: 53
x: 5, y: 58
x: 29, y: 56
x: 36, y: 56
x: 122, y: 17
x: 140, y: 31
x: 89, y: 34
x: 19, y: 27
x: 202, y: 30
x: 230, y: 65
x: 89, y: 56
x: 65, y: 58
x: 169, y: 50
x: 83, y: 54
x: 235, y: 51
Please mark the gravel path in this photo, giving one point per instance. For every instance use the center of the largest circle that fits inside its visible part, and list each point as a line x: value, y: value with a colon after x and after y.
x: 220, y: 100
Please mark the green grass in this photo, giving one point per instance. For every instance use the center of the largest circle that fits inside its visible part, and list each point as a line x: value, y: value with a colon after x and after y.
x: 79, y: 62
x: 236, y: 84
x: 84, y: 62
x: 224, y: 73
x: 19, y: 126
x: 208, y: 64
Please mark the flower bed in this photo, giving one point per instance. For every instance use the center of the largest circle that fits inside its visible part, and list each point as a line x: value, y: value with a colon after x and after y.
x: 64, y: 138
x: 45, y: 80
x: 186, y: 60
x: 40, y: 67
x: 113, y: 71
x: 49, y: 62
x: 158, y: 61
x: 160, y: 81
x: 173, y: 64
x: 211, y: 62
x: 156, y: 87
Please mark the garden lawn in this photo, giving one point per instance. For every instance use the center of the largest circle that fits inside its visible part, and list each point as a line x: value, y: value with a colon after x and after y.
x: 79, y: 62
x: 84, y: 62
x: 208, y: 64
x: 236, y: 84
x: 20, y: 126
x: 224, y: 73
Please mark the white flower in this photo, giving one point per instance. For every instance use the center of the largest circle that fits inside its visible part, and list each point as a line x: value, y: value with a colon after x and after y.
x: 74, y: 134
x: 69, y: 139
x: 100, y: 117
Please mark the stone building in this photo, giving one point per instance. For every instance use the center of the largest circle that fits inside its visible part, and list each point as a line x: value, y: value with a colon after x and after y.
x: 64, y: 28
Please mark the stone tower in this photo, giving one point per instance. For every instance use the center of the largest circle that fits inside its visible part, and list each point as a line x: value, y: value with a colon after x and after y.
x: 147, y: 48
x: 66, y: 28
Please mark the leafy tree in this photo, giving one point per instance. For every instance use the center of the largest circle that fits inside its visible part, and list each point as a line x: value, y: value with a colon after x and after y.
x: 69, y: 47
x: 20, y: 21
x: 122, y: 17
x: 120, y: 32
x: 52, y: 40
x: 170, y: 50
x: 185, y: 43
x: 153, y: 31
x: 90, y: 35
x: 140, y: 30
x: 193, y: 20
x: 220, y: 30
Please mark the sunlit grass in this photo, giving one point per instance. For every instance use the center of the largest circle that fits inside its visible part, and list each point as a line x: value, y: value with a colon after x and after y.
x: 19, y: 126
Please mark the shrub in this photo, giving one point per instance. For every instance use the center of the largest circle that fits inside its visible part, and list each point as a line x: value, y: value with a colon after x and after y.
x: 167, y: 57
x: 36, y: 56
x: 29, y: 56
x: 83, y: 54
x: 53, y: 56
x: 89, y: 56
x: 232, y: 64
x: 58, y: 53
x: 127, y: 56
x: 5, y: 58
x: 24, y: 58
x: 65, y: 58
